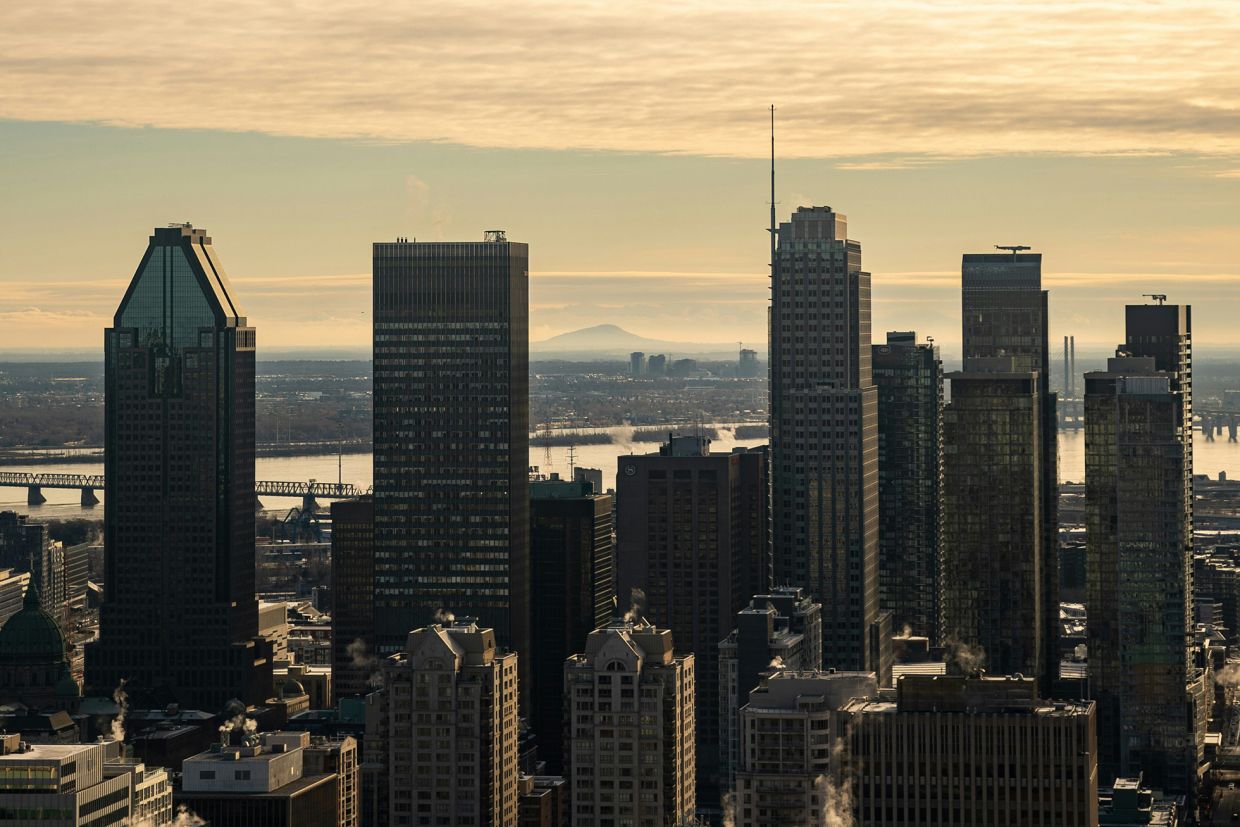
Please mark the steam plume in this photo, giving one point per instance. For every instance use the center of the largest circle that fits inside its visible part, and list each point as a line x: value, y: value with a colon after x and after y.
x: 637, y: 604
x: 121, y: 699
x: 963, y: 657
x: 444, y: 617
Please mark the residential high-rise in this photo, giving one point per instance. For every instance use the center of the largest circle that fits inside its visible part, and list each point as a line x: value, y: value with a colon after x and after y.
x: 451, y: 436
x: 691, y: 550
x: 571, y: 584
x: 629, y: 741
x: 791, y: 764
x: 958, y: 750
x: 27, y: 546
x: 1005, y: 331
x: 637, y: 364
x: 444, y: 730
x: 824, y: 430
x: 179, y: 621
x: 991, y: 584
x: 780, y: 630
x: 1138, y: 487
x: 909, y: 378
x: 354, y: 663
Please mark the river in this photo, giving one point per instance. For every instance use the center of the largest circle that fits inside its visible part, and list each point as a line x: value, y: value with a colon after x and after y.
x: 1209, y: 458
x: 352, y: 468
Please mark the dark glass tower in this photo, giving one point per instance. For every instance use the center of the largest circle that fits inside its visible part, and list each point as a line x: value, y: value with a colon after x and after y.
x: 1006, y: 329
x: 354, y: 664
x: 451, y: 437
x: 824, y: 432
x: 909, y: 377
x: 1138, y: 477
x: 180, y: 620
x: 571, y: 584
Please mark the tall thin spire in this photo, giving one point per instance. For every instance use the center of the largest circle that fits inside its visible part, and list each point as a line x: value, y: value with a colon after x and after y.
x: 772, y: 229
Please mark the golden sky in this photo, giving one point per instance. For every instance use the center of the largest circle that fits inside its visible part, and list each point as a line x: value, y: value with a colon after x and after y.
x: 624, y: 141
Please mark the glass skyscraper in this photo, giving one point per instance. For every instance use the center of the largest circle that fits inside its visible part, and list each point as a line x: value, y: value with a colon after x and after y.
x: 824, y: 433
x: 179, y: 620
x: 1138, y: 480
x: 451, y: 437
x: 909, y: 377
x: 1005, y: 330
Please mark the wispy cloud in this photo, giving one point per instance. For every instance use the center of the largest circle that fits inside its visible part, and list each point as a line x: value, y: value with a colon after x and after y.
x: 901, y: 79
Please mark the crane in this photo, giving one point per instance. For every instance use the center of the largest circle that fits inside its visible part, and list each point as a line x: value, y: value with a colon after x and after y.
x: 1012, y: 248
x: 1158, y: 297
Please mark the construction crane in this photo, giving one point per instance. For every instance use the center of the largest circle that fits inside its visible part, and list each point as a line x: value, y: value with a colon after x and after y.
x: 1158, y: 297
x: 1012, y: 248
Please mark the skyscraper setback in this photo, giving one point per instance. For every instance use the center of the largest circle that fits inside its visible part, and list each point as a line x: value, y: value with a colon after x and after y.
x: 180, y: 619
x: 451, y: 435
x: 824, y: 431
x: 1001, y: 464
x: 1138, y: 477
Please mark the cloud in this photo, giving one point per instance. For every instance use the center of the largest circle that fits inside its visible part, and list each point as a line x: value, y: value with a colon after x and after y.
x: 906, y: 80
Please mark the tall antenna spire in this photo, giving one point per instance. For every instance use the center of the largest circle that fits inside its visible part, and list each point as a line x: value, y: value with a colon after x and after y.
x: 772, y: 229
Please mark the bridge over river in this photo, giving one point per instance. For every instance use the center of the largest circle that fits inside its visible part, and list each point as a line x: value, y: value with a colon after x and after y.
x: 309, y: 491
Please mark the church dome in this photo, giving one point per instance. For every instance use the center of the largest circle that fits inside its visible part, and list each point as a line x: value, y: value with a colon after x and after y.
x: 31, y: 636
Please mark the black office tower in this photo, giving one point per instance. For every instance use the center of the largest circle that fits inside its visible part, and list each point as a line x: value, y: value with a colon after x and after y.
x: 355, y: 666
x: 179, y: 620
x: 824, y: 432
x: 451, y: 437
x: 1006, y: 318
x: 571, y: 594
x: 909, y: 377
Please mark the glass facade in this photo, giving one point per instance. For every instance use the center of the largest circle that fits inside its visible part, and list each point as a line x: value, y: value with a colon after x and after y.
x: 1006, y: 321
x: 180, y: 619
x: 1139, y: 497
x: 909, y: 378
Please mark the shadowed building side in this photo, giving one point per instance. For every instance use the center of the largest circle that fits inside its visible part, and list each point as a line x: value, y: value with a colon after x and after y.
x: 180, y: 619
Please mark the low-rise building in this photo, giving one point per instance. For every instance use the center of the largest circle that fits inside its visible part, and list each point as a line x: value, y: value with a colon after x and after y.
x: 542, y: 801
x: 957, y: 750
x: 253, y: 780
x: 63, y: 784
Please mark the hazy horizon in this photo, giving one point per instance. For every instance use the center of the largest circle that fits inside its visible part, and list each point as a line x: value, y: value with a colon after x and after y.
x: 631, y: 155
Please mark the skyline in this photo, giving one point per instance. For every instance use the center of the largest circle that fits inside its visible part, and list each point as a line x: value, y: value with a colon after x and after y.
x: 628, y: 150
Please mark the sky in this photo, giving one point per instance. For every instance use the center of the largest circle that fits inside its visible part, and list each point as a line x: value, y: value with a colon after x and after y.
x: 627, y: 144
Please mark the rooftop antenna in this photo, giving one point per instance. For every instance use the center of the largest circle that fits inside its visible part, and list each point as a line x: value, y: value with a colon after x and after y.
x: 773, y: 202
x: 1158, y: 297
x: 1012, y: 248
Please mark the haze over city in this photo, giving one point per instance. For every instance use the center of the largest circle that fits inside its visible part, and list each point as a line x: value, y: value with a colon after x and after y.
x: 627, y: 146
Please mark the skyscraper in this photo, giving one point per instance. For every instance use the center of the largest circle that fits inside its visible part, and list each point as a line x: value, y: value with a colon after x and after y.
x: 451, y: 436
x: 909, y: 377
x: 571, y: 583
x: 180, y: 619
x: 824, y: 431
x: 1138, y: 479
x: 992, y: 529
x: 691, y: 536
x: 1006, y: 318
x: 354, y: 663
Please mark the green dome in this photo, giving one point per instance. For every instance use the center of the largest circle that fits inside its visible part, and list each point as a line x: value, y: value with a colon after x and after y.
x: 67, y: 687
x: 31, y: 636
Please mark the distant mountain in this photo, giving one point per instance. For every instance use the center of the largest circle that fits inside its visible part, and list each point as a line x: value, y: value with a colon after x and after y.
x: 609, y: 340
